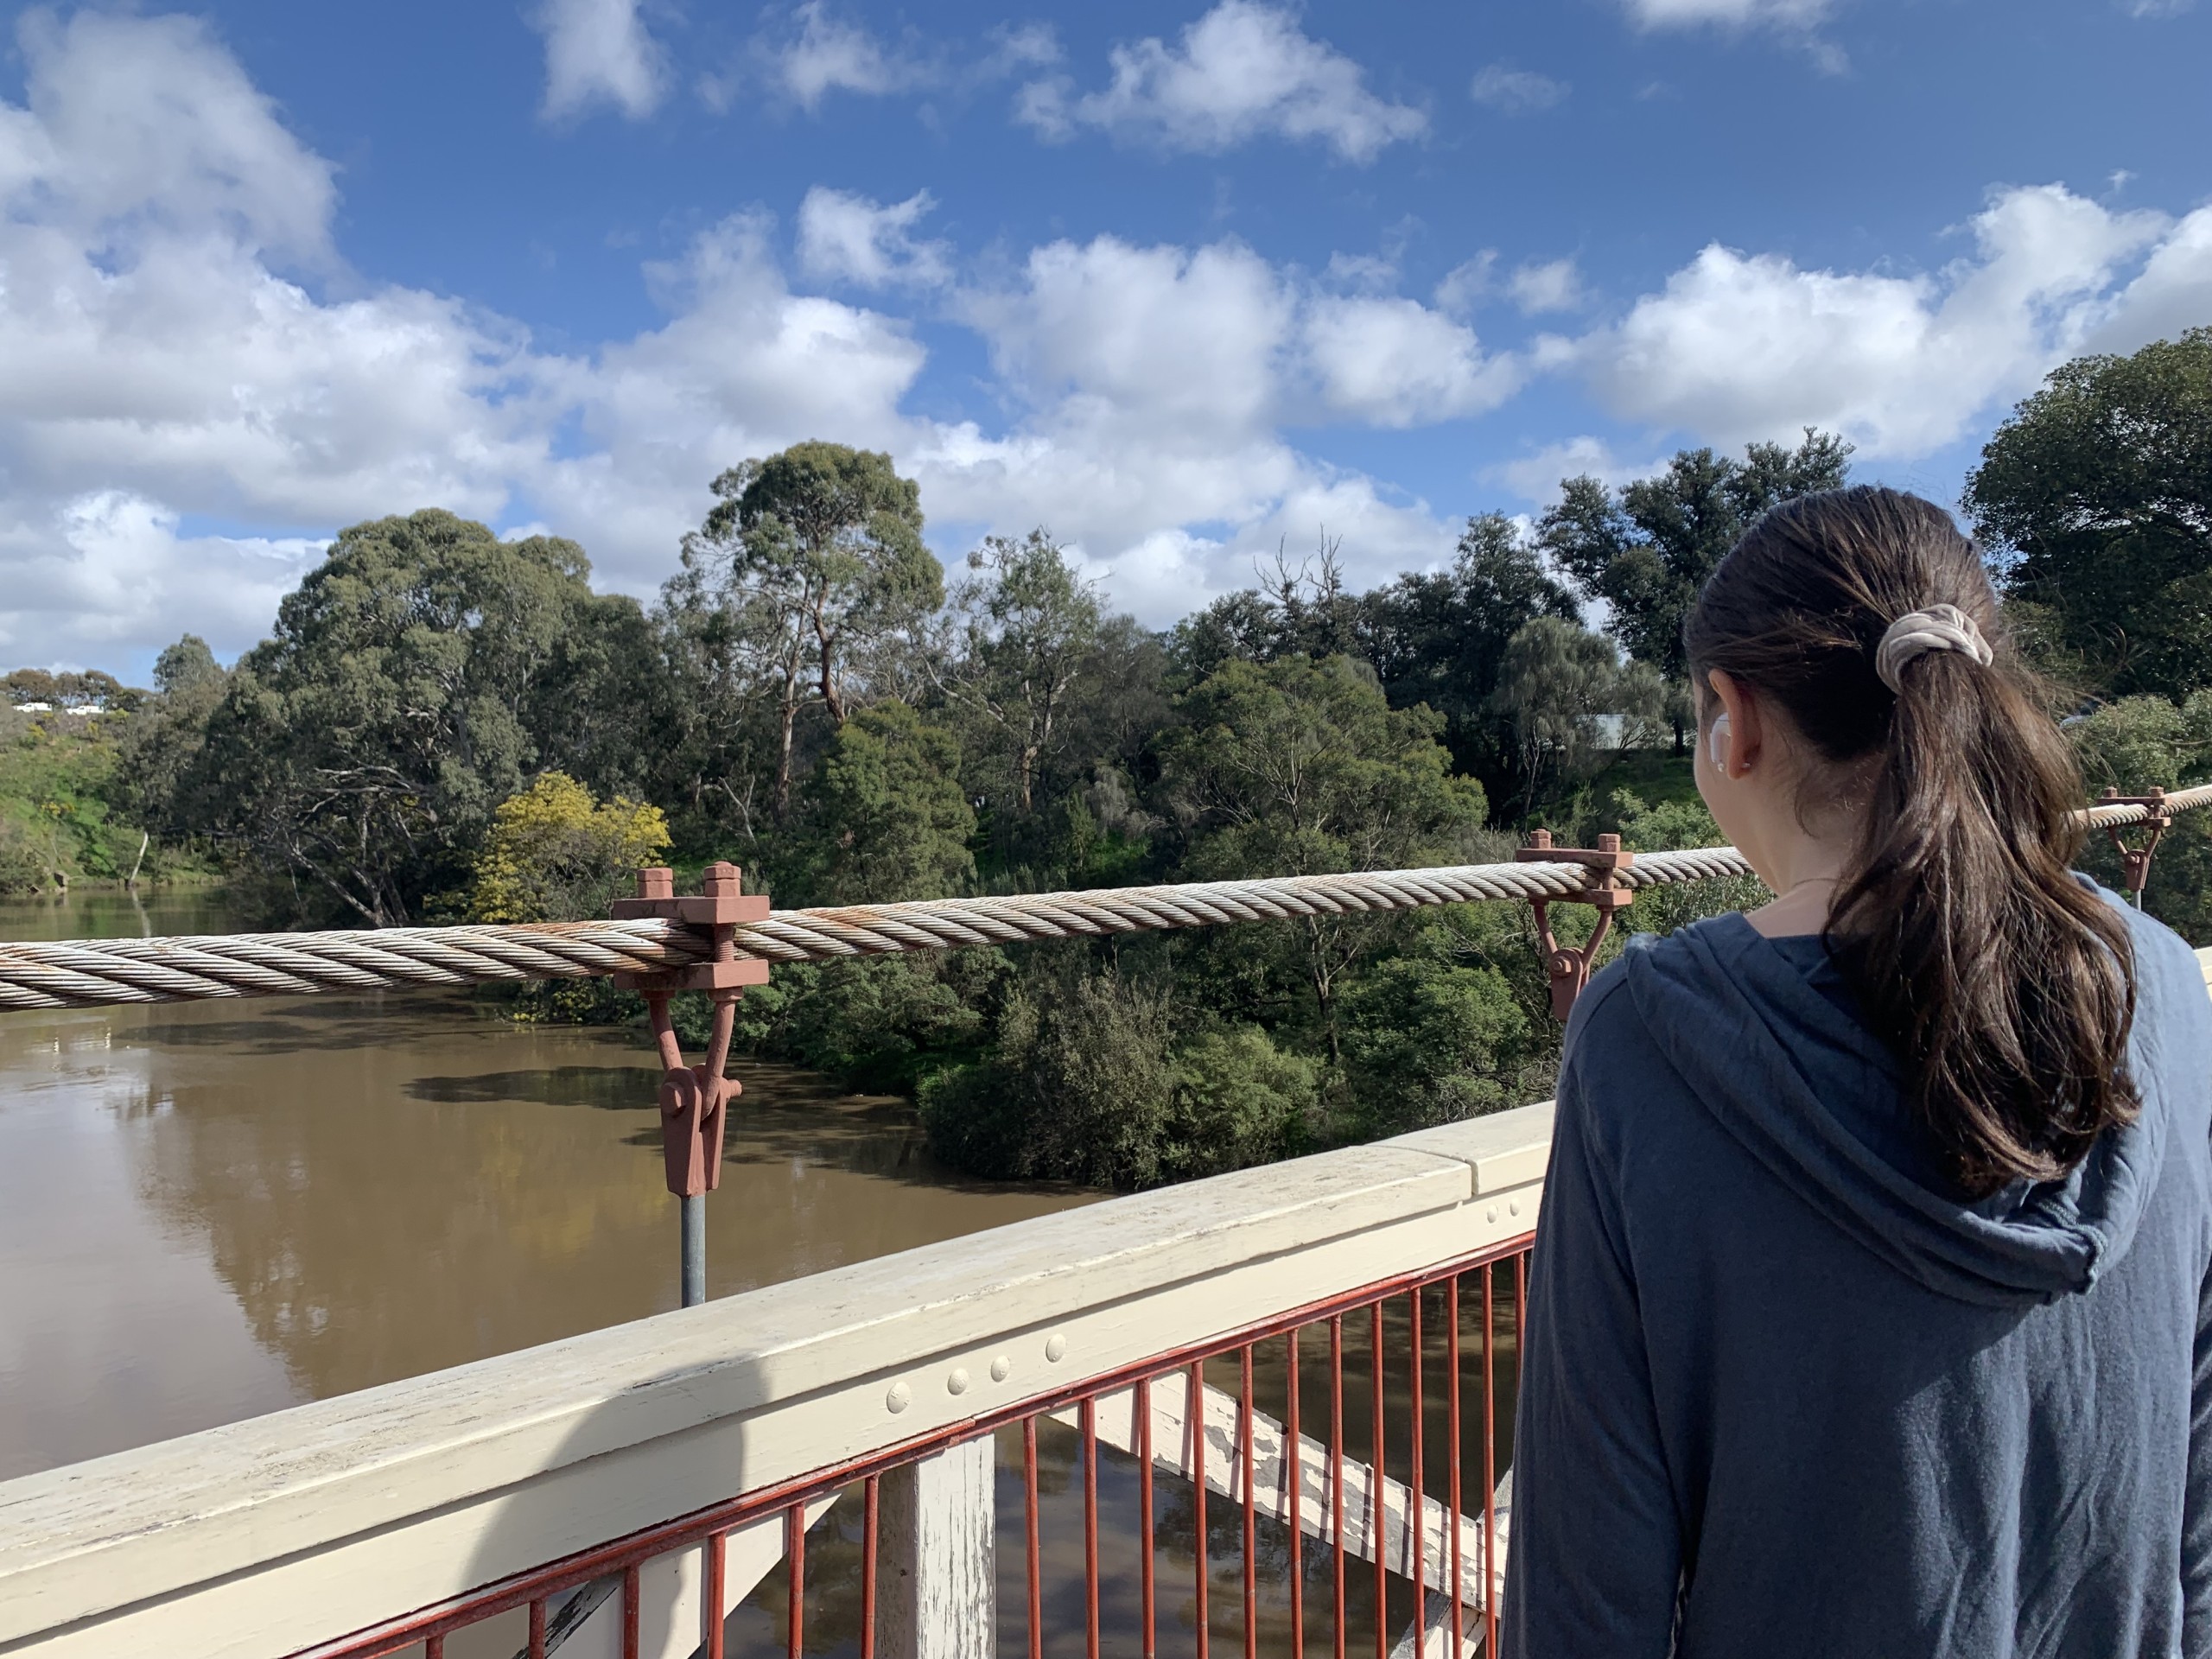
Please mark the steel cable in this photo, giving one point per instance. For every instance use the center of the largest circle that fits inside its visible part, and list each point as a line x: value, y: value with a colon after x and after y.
x: 87, y: 973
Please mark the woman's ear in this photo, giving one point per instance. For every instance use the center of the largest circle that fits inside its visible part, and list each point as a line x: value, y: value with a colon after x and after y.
x: 1734, y: 737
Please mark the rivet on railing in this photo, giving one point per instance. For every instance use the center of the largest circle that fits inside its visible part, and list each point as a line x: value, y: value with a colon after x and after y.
x: 899, y: 1397
x: 1056, y: 1348
x: 1001, y: 1368
x: 957, y: 1383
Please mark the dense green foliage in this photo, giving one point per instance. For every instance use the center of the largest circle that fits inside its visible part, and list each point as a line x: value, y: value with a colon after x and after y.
x: 444, y: 723
x: 2096, y: 498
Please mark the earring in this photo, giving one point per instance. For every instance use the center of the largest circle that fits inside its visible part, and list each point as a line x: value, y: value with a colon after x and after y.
x: 1716, y: 744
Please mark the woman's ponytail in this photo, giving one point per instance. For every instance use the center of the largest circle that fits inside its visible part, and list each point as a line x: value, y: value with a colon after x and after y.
x: 2003, y: 985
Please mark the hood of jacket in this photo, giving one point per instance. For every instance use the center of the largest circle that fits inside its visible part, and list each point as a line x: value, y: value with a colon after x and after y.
x: 1792, y: 1073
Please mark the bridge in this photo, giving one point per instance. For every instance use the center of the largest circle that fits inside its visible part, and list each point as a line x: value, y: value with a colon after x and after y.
x: 1268, y: 1410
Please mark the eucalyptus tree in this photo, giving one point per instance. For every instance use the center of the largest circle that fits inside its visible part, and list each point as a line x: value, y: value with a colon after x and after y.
x: 1647, y: 548
x: 2095, y: 499
x: 813, y: 559
x: 1029, y: 629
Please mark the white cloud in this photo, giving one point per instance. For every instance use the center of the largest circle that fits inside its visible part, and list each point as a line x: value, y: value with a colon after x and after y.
x: 1791, y: 13
x: 1244, y: 70
x: 1395, y: 362
x: 830, y: 54
x: 1467, y: 284
x: 1554, y: 286
x: 1536, y: 476
x: 2156, y: 8
x: 2172, y: 294
x: 1739, y: 347
x: 844, y: 238
x: 599, y: 52
x: 1515, y: 91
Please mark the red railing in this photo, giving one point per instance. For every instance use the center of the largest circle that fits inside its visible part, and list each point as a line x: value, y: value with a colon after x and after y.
x: 1413, y: 1326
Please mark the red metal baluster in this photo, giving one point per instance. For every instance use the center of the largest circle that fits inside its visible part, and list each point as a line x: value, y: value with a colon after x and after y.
x: 1036, y: 1562
x: 795, y: 1557
x: 538, y: 1628
x: 1490, y: 1467
x: 1142, y: 1397
x: 434, y: 1647
x: 870, y: 1503
x: 714, y: 1591
x: 1195, y: 1421
x: 1452, y: 1440
x: 1337, y: 1465
x: 1520, y: 1316
x: 1293, y: 1476
x: 1090, y: 1525
x: 1415, y: 1540
x: 1375, y: 1484
x: 1251, y: 1512
x: 630, y: 1600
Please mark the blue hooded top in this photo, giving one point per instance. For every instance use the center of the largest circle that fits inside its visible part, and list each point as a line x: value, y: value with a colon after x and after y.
x: 1785, y: 1390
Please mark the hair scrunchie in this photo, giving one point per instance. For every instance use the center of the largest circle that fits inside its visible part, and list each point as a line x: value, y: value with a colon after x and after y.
x: 1940, y: 627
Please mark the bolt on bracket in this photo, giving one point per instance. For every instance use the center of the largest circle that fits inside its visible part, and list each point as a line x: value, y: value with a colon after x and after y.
x: 1569, y: 969
x: 2135, y: 861
x: 695, y: 1099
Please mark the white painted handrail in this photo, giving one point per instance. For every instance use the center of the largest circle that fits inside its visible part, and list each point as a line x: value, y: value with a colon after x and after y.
x: 264, y: 1536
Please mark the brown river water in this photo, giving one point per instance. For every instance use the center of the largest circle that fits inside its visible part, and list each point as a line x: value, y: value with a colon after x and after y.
x: 213, y: 1210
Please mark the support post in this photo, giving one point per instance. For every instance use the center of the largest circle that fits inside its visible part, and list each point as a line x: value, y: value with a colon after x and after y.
x: 937, y: 1572
x: 692, y: 1221
x: 695, y: 1099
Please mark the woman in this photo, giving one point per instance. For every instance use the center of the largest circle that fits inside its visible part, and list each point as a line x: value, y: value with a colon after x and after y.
x: 1869, y: 1315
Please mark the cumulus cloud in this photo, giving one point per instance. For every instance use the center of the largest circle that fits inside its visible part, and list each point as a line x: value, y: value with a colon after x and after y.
x: 1395, y: 362
x: 599, y: 52
x: 1746, y: 346
x: 845, y: 238
x: 1515, y: 91
x: 828, y: 53
x: 1244, y: 70
x: 1555, y: 285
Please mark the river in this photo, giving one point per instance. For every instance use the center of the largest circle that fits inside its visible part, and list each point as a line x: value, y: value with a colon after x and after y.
x: 211, y: 1209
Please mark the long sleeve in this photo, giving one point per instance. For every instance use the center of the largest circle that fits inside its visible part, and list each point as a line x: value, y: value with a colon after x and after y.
x: 1595, y: 1555
x: 2196, y: 1502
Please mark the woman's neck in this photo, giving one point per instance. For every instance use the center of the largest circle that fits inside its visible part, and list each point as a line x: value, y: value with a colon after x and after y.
x: 1806, y: 873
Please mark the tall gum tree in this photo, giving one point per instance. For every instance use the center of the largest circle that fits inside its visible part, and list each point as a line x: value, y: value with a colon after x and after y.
x: 815, y: 556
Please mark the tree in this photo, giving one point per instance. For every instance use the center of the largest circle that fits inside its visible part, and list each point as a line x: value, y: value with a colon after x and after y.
x: 816, y: 556
x: 1031, y: 626
x: 1557, y: 686
x: 1648, y: 548
x: 884, y: 819
x: 361, y: 750
x: 2094, y: 498
x: 556, y: 854
x: 1297, y: 768
x: 1440, y: 639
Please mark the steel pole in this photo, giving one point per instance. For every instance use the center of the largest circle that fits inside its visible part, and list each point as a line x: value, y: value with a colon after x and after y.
x: 692, y: 1213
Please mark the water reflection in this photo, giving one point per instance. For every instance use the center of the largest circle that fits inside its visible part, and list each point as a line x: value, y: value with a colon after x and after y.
x: 210, y: 1210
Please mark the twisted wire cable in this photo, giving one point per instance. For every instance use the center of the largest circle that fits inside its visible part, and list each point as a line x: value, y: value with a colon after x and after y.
x: 87, y: 973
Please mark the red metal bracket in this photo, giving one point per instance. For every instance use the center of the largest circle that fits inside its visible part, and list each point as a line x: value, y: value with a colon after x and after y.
x: 2135, y: 861
x: 695, y: 1099
x: 1569, y: 969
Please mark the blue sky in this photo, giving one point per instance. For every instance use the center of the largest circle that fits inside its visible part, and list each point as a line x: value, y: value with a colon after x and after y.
x: 1180, y: 282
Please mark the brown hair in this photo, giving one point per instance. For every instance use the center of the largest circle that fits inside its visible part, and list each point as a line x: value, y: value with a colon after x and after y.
x: 2004, y: 986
